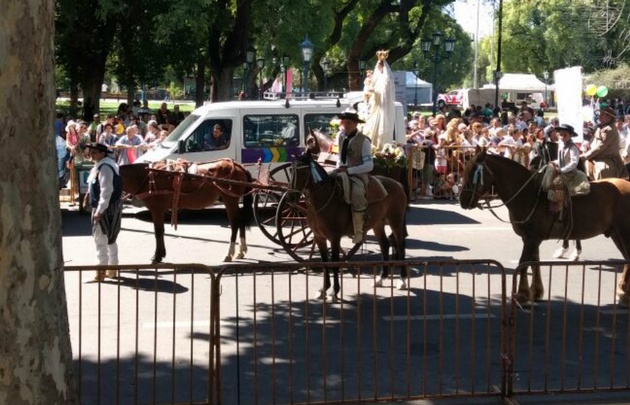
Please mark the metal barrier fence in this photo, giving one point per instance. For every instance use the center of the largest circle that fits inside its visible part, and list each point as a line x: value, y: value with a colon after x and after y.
x: 256, y: 334
x: 442, y: 337
x: 575, y: 340
x: 145, y: 337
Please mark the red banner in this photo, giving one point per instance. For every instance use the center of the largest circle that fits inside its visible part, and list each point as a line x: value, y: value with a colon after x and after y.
x: 289, y: 82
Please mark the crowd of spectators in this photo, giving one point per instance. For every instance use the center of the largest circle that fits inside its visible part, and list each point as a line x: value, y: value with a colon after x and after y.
x: 447, y: 140
x: 127, y: 134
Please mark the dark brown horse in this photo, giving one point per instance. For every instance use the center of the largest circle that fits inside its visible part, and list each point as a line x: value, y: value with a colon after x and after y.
x: 603, y: 211
x: 161, y: 190
x: 330, y: 217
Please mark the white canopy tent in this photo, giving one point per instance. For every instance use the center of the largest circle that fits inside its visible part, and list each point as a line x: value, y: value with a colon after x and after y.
x: 408, y: 86
x: 521, y: 82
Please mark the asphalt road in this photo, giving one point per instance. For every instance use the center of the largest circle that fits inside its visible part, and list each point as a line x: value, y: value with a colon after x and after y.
x: 440, y: 337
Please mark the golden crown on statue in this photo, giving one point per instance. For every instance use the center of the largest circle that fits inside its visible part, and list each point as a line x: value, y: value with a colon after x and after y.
x: 382, y: 55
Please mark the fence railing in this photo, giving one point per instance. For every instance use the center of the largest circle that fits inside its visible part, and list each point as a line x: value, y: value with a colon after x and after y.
x: 258, y: 334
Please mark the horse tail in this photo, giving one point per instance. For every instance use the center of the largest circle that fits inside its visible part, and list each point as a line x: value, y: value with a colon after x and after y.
x: 247, y: 212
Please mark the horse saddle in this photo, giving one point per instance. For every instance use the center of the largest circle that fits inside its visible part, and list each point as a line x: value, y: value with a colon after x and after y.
x: 375, y: 189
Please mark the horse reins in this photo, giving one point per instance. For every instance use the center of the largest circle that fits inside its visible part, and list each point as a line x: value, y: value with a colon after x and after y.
x: 478, y: 180
x: 294, y: 188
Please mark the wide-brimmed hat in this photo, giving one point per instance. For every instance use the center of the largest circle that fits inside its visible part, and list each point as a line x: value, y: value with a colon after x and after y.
x: 350, y: 114
x: 98, y: 146
x: 607, y: 111
x: 71, y: 124
x: 568, y: 128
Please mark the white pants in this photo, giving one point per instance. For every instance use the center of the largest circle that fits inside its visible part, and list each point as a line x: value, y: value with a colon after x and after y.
x: 105, y: 254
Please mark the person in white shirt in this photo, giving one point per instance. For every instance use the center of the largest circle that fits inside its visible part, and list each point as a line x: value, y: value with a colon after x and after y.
x: 511, y: 143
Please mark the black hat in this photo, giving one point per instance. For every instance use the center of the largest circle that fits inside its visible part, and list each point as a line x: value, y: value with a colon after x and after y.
x: 568, y: 128
x: 350, y: 114
x: 98, y: 146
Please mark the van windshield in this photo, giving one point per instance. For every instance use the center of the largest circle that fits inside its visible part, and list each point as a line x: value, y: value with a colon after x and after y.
x: 174, y: 136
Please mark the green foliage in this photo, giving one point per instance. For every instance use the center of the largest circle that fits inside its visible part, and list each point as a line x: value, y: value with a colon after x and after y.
x: 175, y: 91
x: 617, y: 80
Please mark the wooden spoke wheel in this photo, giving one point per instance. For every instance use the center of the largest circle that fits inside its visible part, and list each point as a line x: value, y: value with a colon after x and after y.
x: 266, y: 202
x: 295, y: 234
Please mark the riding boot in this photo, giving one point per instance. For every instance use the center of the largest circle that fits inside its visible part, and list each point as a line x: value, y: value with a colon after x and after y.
x: 357, y: 223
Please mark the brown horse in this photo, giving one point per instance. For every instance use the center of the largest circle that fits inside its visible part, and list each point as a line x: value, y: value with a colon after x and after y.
x: 330, y: 217
x: 603, y: 211
x: 161, y: 190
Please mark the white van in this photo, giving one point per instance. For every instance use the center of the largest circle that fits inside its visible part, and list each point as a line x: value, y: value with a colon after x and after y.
x: 269, y: 131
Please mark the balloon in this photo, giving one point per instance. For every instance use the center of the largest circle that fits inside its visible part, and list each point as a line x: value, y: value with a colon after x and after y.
x: 591, y: 89
x: 602, y: 91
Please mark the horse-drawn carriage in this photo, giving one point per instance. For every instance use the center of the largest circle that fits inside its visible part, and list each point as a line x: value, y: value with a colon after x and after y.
x: 297, y: 222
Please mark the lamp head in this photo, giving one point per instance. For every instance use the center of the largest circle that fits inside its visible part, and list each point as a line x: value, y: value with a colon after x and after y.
x: 250, y: 55
x: 307, y: 50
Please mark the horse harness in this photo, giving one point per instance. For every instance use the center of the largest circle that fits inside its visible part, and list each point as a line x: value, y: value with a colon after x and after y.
x: 478, y: 180
x: 311, y: 166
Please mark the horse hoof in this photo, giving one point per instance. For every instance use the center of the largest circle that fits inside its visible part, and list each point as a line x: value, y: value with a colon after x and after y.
x: 523, y: 300
x: 401, y: 285
x: 560, y: 253
x: 575, y: 256
x: 321, y: 295
x: 156, y: 260
x: 332, y: 298
x: 378, y: 282
x: 240, y: 256
x: 227, y: 259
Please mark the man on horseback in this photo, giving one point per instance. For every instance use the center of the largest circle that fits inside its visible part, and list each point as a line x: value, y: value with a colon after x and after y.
x: 355, y: 159
x: 603, y: 159
x: 569, y: 177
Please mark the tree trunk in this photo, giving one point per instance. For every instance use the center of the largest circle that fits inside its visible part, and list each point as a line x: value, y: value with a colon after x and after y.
x: 93, y: 83
x: 35, y: 352
x: 200, y: 81
x: 223, y: 83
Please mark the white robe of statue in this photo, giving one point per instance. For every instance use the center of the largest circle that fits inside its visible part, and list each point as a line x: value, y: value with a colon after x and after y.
x: 379, y: 124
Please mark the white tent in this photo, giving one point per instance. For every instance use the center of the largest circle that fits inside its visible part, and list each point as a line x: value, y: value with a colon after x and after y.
x: 408, y: 86
x: 521, y: 82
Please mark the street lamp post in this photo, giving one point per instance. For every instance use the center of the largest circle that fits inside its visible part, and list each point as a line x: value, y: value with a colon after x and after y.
x: 307, y: 54
x: 546, y: 76
x: 362, y: 66
x: 285, y: 63
x: 449, y: 47
x: 415, y: 84
x: 326, y: 64
x: 260, y: 62
x: 250, y: 57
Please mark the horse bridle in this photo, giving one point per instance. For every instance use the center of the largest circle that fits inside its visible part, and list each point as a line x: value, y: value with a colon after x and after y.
x: 308, y: 181
x: 478, y: 180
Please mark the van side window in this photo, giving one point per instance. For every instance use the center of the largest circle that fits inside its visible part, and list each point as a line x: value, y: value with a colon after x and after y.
x: 265, y: 130
x: 210, y: 135
x: 323, y: 123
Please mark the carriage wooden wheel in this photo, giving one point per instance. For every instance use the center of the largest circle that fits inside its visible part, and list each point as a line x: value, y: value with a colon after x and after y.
x: 294, y: 233
x: 266, y: 203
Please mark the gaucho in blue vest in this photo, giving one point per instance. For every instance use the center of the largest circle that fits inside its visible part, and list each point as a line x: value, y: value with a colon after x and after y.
x: 104, y: 199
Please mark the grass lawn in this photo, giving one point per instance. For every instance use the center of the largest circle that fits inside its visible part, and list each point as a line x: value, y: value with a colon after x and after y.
x: 110, y: 106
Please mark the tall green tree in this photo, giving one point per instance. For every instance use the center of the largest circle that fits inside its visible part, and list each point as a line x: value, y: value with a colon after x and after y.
x: 36, y: 360
x: 84, y: 34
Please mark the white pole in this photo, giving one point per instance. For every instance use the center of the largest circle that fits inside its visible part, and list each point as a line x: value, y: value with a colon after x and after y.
x: 475, y: 77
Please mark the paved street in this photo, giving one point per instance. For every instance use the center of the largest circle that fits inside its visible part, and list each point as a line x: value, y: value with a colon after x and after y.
x: 271, y: 326
x: 437, y: 230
